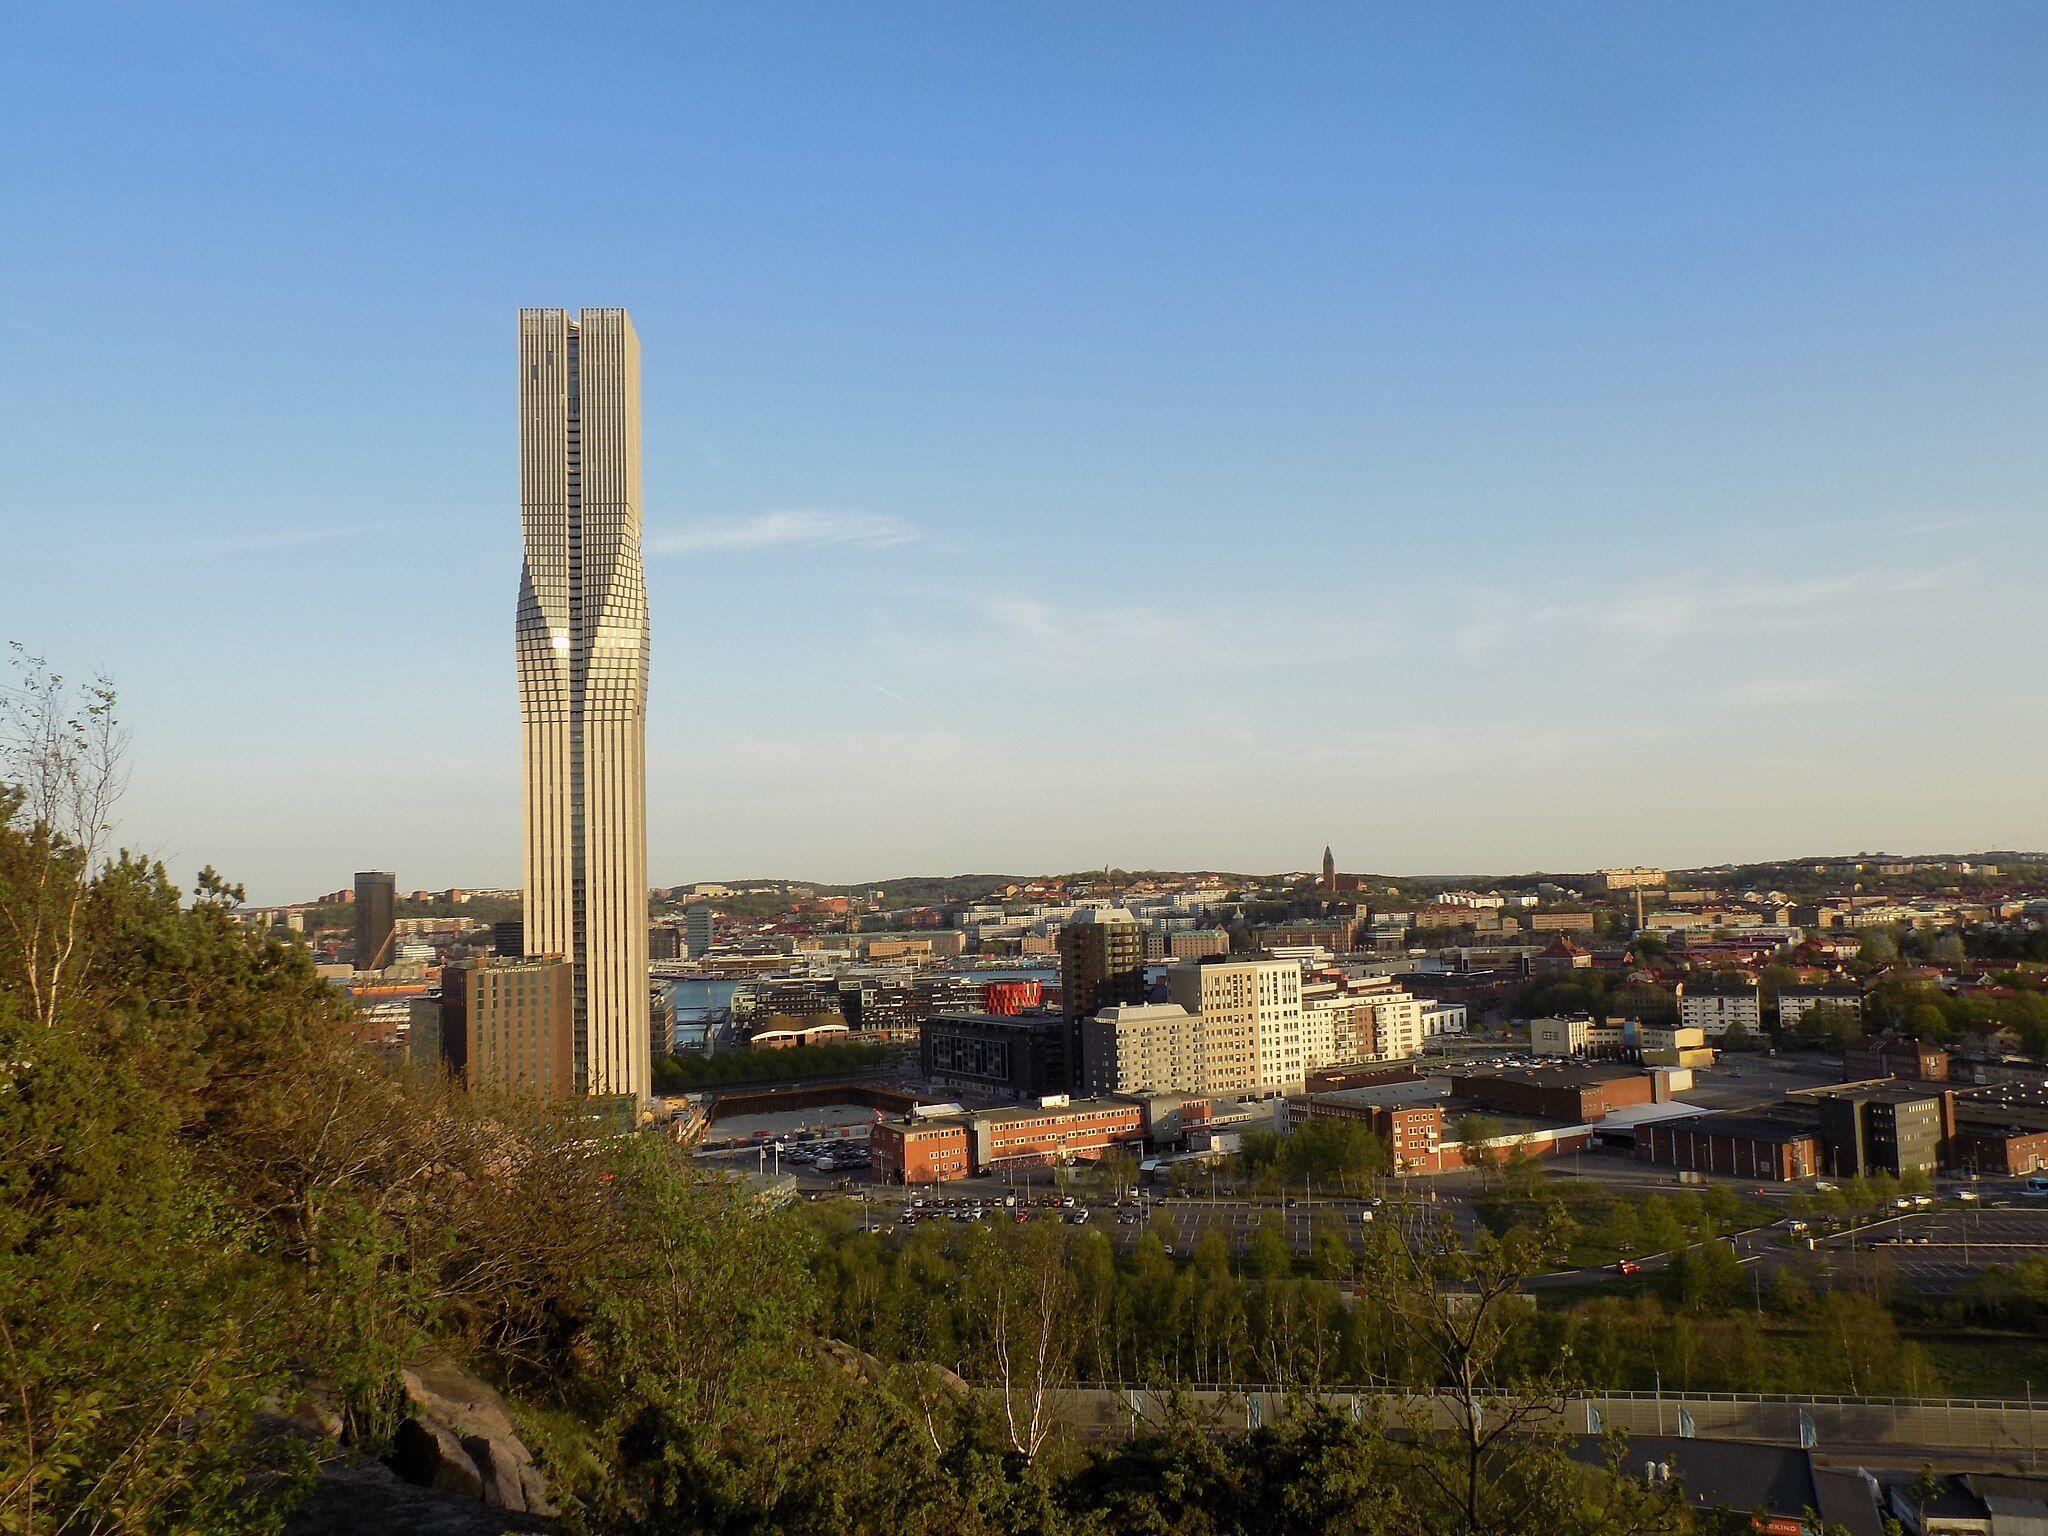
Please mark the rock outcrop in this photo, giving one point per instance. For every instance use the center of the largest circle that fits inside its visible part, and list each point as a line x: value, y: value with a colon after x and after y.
x: 460, y: 1439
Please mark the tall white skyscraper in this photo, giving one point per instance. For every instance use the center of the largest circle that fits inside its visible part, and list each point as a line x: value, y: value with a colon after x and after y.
x: 581, y: 640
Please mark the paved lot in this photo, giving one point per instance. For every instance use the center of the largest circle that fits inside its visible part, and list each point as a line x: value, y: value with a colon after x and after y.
x: 1745, y: 1082
x: 1938, y: 1252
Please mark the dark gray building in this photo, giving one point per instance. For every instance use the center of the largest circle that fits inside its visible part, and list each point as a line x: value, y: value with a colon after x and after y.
x: 376, y: 901
x: 1882, y: 1130
x: 1022, y: 1058
x: 697, y: 929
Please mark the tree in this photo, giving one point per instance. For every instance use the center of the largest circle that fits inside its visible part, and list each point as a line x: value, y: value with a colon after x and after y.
x: 1500, y: 1467
x: 1704, y: 1278
x: 1022, y: 1342
x: 1266, y: 1255
x: 1828, y: 1025
x: 62, y: 769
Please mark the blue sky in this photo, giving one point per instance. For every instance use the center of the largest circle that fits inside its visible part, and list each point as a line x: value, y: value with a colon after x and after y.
x: 1480, y: 437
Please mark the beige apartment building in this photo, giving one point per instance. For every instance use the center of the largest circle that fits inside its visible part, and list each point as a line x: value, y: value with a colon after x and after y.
x: 580, y: 637
x: 1250, y: 1009
x: 1140, y: 1048
x: 1577, y: 1035
x: 1630, y: 879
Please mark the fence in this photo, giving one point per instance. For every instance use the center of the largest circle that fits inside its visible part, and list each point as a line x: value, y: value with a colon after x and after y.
x: 2012, y: 1429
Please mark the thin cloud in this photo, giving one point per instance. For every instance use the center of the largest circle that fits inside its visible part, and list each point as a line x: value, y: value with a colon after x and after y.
x: 1702, y: 606
x: 784, y: 530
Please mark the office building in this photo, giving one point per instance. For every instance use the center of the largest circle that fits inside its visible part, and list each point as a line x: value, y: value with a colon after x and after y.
x: 697, y: 930
x: 581, y: 641
x: 508, y: 939
x: 663, y: 942
x: 506, y: 1025
x: 1577, y: 1035
x: 1882, y: 1130
x: 376, y: 897
x: 1021, y: 1058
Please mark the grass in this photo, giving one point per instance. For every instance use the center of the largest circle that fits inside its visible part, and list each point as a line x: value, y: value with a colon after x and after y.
x: 1603, y: 1225
x: 1987, y: 1364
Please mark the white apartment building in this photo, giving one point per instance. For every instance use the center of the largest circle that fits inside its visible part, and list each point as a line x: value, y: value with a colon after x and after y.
x: 1360, y: 1018
x: 1793, y: 1002
x: 1440, y: 1018
x: 1715, y: 1010
x: 1251, y: 1022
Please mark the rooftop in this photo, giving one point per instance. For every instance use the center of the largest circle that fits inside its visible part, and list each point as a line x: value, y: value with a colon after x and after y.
x: 1425, y: 1090
x: 1041, y: 1111
x: 1884, y: 1093
x: 1564, y: 1074
x: 1750, y: 1126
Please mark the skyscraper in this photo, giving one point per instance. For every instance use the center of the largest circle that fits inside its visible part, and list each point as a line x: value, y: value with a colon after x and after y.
x: 376, y: 896
x: 581, y: 641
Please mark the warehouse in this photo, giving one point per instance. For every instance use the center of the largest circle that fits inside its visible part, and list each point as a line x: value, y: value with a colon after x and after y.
x: 1749, y: 1146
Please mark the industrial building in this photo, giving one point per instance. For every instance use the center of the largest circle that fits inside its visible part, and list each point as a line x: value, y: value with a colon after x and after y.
x: 1750, y: 1146
x: 1572, y: 1092
x: 1882, y: 1130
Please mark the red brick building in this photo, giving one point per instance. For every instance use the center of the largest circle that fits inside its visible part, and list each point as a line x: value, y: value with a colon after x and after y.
x: 2004, y: 1135
x: 1888, y: 1056
x: 1570, y: 1092
x: 919, y: 1151
x: 1748, y: 1146
x: 1032, y: 1136
x: 1413, y: 1132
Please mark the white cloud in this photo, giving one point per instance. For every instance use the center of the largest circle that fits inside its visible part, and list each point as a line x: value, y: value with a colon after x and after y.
x: 1705, y: 607
x: 784, y: 530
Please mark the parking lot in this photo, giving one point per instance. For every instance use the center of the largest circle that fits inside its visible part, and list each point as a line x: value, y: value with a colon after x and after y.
x: 1938, y: 1252
x: 1745, y: 1082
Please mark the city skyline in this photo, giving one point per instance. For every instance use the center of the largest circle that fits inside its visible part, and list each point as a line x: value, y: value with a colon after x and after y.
x: 1545, y: 444
x: 581, y: 643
